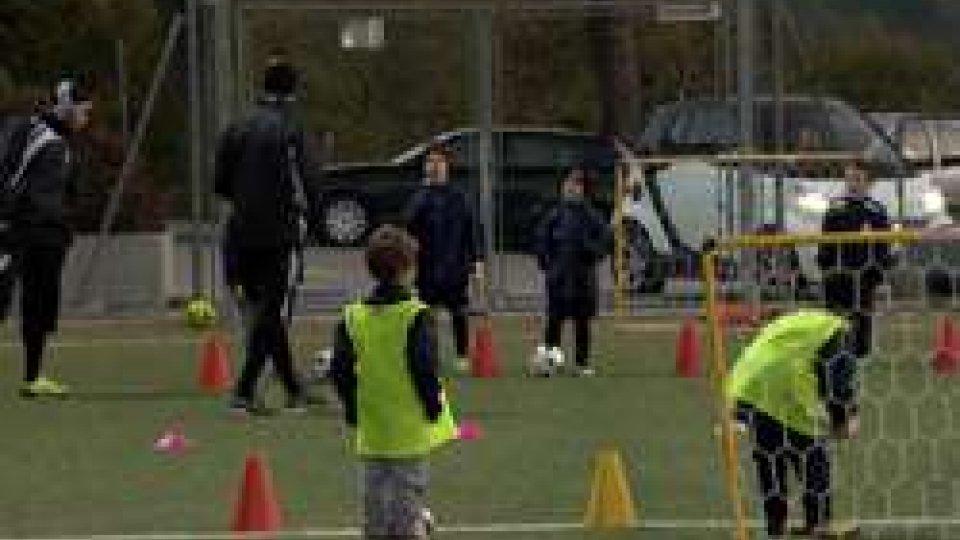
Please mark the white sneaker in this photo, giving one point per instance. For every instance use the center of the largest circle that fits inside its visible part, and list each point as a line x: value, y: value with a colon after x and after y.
x: 584, y: 371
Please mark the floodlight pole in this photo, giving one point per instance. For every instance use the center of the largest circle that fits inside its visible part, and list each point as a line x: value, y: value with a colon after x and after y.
x: 745, y: 99
x: 196, y: 145
x: 481, y: 37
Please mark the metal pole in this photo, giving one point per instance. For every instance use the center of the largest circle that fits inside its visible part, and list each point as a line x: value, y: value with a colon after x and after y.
x: 196, y: 145
x: 133, y: 152
x: 222, y: 57
x: 122, y: 91
x: 745, y: 101
x: 481, y: 45
x: 776, y: 26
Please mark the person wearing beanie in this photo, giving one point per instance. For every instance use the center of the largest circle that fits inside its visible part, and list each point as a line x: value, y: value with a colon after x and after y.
x: 570, y: 240
x: 265, y: 170
x: 35, y: 227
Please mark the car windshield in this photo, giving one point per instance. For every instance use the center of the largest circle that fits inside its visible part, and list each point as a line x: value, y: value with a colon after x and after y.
x: 450, y: 139
x: 809, y: 125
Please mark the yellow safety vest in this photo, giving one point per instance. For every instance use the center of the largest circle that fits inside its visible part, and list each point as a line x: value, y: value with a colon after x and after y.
x: 776, y: 372
x: 391, y: 422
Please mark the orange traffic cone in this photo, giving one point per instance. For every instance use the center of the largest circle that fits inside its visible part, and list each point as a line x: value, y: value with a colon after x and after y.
x: 688, y: 350
x: 257, y: 508
x: 483, y: 354
x: 946, y: 355
x: 214, y: 365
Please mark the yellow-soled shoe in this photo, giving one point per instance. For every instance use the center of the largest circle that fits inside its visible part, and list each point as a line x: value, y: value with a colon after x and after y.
x: 44, y: 387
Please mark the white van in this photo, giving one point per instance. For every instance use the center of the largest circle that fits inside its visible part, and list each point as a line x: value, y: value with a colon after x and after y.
x: 676, y: 206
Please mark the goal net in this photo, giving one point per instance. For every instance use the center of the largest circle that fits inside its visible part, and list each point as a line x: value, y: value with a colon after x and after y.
x: 898, y: 475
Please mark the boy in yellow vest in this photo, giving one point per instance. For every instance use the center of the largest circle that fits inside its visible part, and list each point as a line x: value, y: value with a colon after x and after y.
x: 385, y: 372
x: 793, y: 388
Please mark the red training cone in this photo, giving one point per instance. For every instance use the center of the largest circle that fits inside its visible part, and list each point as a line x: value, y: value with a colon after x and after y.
x: 483, y: 354
x: 257, y: 508
x: 946, y: 355
x: 214, y: 365
x: 688, y: 350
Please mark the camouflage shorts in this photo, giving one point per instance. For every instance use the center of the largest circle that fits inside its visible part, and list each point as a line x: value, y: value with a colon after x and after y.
x: 394, y: 498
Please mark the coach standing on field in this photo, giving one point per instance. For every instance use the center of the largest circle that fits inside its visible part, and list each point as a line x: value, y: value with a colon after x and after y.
x: 262, y: 169
x: 36, y: 231
x: 440, y: 219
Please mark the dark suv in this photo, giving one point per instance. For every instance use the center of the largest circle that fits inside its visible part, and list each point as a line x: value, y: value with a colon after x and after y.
x: 528, y: 164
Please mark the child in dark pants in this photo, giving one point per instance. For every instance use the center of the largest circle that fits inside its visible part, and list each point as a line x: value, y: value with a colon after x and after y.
x: 853, y: 272
x: 384, y: 369
x: 570, y: 240
x: 794, y: 380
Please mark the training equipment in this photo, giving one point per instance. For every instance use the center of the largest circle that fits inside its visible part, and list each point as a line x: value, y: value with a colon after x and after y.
x: 469, y: 430
x: 214, y: 376
x: 946, y: 354
x: 199, y: 313
x: 483, y: 354
x: 893, y: 461
x: 545, y: 362
x: 257, y: 508
x: 610, y: 504
x: 688, y: 350
x: 172, y: 441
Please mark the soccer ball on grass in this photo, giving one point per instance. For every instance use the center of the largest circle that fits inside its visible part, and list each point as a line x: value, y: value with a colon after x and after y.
x: 545, y: 362
x: 199, y: 313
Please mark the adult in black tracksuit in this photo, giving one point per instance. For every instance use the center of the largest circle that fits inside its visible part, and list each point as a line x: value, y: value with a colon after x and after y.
x: 441, y: 221
x: 570, y: 240
x: 37, y: 232
x: 852, y: 272
x: 262, y: 169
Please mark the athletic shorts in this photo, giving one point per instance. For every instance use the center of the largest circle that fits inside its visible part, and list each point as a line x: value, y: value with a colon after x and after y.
x: 394, y: 498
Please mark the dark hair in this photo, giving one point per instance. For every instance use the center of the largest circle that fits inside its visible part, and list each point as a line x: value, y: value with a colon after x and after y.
x: 437, y: 147
x: 279, y: 78
x: 391, y: 252
x: 586, y: 174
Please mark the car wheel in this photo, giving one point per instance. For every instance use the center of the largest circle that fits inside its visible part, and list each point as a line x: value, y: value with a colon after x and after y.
x: 645, y: 272
x: 345, y: 220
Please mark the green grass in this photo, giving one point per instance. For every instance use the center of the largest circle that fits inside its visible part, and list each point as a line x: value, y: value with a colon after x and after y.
x: 85, y: 466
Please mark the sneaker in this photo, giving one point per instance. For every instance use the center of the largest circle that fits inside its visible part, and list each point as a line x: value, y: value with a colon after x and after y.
x: 832, y: 531
x: 246, y: 407
x: 44, y: 387
x: 297, y: 405
x: 584, y: 371
x: 429, y: 523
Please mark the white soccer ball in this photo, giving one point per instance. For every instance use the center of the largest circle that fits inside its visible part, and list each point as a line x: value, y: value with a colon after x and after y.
x: 546, y: 361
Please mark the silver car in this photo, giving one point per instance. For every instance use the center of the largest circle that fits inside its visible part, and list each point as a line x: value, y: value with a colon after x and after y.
x: 678, y: 203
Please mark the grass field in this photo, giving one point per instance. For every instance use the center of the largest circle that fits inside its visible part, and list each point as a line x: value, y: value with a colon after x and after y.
x: 85, y: 466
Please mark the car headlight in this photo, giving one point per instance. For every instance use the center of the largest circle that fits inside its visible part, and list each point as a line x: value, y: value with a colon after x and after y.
x: 814, y: 203
x: 933, y: 202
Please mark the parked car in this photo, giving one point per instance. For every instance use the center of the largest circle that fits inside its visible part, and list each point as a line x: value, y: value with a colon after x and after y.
x: 528, y: 165
x: 676, y: 207
x: 930, y: 143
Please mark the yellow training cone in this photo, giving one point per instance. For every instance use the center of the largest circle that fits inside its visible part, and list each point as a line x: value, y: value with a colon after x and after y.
x: 611, y: 502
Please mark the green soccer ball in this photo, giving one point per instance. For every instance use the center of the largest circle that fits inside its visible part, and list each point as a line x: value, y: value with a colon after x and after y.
x: 200, y: 313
